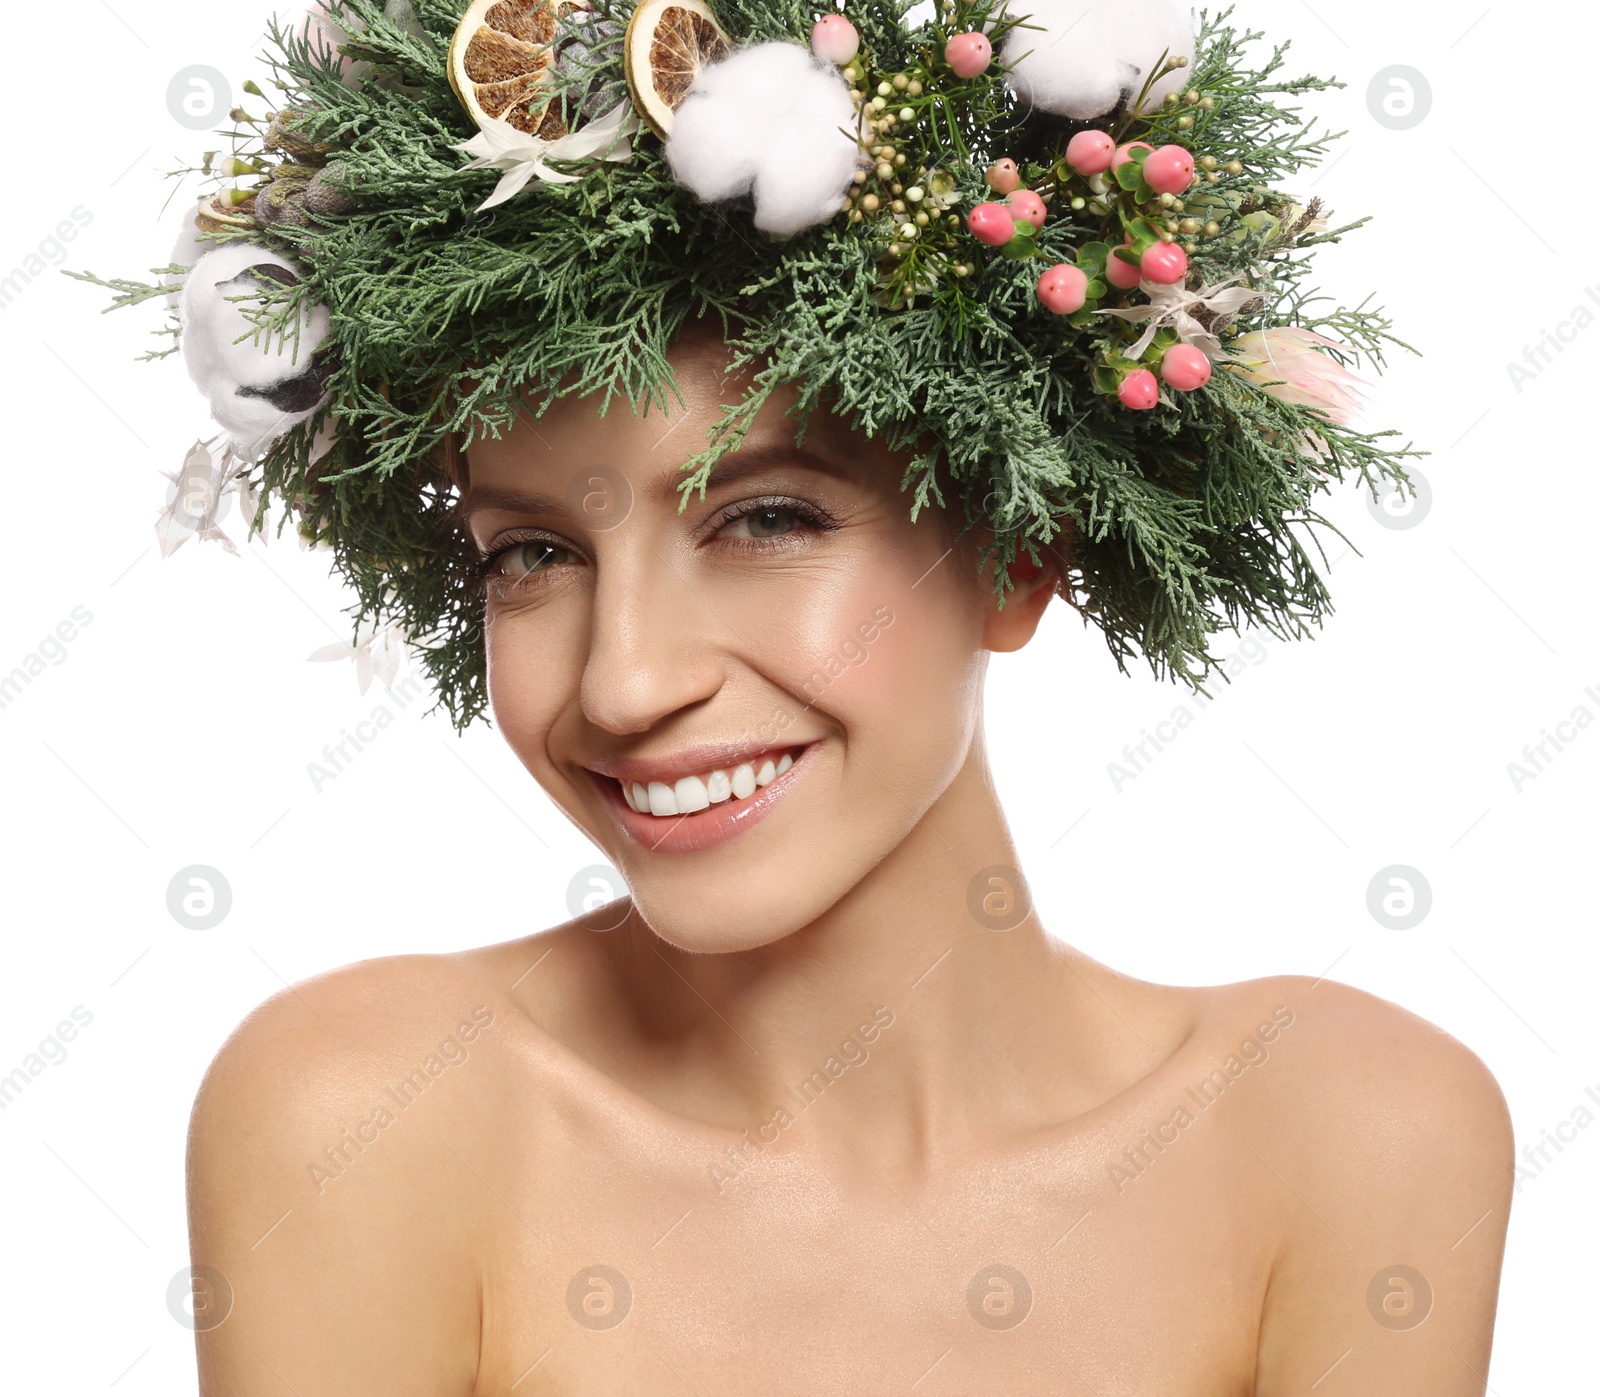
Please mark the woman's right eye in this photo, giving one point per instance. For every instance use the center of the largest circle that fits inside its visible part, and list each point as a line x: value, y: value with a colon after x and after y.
x: 530, y: 556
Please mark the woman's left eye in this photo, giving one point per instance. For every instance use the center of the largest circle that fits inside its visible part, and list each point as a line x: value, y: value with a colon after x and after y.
x: 768, y: 522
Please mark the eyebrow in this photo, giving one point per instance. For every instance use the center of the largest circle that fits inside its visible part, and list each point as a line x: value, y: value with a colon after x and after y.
x: 735, y: 466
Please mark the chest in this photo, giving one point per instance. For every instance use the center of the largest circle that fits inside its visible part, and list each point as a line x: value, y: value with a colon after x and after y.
x: 718, y: 1265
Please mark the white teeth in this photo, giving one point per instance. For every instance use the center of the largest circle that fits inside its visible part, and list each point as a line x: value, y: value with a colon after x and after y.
x: 691, y: 793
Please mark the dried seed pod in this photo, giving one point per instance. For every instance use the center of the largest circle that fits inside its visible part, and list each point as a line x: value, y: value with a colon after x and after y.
x: 282, y: 139
x: 283, y: 202
x: 326, y: 196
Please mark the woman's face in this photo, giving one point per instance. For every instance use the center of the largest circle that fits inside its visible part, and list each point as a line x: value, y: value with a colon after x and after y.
x: 795, y: 611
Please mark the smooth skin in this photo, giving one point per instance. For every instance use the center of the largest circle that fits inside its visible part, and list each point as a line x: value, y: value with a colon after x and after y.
x: 1014, y: 1169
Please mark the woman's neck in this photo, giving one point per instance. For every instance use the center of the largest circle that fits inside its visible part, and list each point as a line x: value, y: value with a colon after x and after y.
x: 937, y: 955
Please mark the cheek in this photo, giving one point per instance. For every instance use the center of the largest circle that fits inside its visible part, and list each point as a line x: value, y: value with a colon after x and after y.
x: 897, y: 666
x: 529, y: 669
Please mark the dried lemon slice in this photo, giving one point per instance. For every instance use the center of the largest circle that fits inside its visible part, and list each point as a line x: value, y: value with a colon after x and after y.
x: 666, y: 45
x: 499, y: 59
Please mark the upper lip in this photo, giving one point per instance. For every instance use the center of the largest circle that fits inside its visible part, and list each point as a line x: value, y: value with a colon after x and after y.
x: 711, y: 756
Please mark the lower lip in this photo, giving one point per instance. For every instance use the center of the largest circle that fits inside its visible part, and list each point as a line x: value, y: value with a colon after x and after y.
x: 705, y: 829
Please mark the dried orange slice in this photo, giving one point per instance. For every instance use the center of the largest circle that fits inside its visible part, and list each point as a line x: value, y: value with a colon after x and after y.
x: 500, y: 58
x: 666, y: 45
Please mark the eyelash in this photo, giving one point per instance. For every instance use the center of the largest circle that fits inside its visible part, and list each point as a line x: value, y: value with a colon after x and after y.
x: 807, y: 516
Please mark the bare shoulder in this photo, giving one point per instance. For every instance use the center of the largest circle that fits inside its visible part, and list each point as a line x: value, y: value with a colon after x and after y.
x: 319, y: 1139
x: 1381, y: 1147
x: 1368, y: 1075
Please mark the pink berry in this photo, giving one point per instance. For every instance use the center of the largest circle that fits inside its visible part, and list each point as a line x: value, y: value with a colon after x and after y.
x: 991, y: 223
x: 1120, y: 274
x: 1186, y: 368
x: 1090, y: 152
x: 1123, y: 154
x: 1169, y: 170
x: 1164, y: 263
x: 1002, y: 176
x: 968, y: 54
x: 835, y: 40
x: 1063, y: 289
x: 1025, y: 204
x: 1140, y: 390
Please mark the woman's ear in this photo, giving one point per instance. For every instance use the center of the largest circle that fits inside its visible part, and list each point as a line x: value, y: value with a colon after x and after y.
x: 1033, y: 586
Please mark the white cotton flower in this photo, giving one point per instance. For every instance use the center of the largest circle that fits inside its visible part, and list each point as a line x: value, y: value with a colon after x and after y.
x: 1087, y: 55
x: 259, y: 385
x: 774, y: 122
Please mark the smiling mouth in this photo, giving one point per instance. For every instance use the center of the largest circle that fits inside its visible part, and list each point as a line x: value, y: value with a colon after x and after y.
x: 689, y: 795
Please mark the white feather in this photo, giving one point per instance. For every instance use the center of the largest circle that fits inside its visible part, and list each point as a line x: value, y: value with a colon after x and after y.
x: 228, y: 360
x: 766, y: 121
x: 1087, y: 55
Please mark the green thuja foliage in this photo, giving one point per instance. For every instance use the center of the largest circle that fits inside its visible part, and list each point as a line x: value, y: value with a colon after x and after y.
x: 1192, y: 518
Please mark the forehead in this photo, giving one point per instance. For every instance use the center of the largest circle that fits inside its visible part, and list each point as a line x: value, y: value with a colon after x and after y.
x: 650, y: 445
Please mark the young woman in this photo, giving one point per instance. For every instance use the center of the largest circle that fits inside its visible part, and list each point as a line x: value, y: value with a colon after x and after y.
x: 821, y: 1106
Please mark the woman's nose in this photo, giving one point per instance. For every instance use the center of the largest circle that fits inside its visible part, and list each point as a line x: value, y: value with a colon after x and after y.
x: 655, y: 643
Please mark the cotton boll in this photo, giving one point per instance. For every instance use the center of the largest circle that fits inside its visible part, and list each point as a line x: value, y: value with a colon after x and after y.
x: 767, y: 121
x: 258, y: 388
x: 1086, y: 57
x: 187, y: 249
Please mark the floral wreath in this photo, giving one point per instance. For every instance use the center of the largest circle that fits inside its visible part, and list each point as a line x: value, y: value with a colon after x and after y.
x: 1051, y: 245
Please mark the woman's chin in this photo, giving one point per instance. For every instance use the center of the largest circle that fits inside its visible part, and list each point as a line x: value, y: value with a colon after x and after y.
x: 686, y: 922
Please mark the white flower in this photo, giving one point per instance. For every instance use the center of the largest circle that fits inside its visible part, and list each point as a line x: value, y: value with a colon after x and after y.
x: 209, y: 472
x: 377, y: 652
x: 1175, y: 306
x: 500, y: 146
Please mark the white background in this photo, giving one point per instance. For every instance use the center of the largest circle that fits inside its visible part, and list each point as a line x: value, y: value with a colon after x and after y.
x: 178, y: 729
